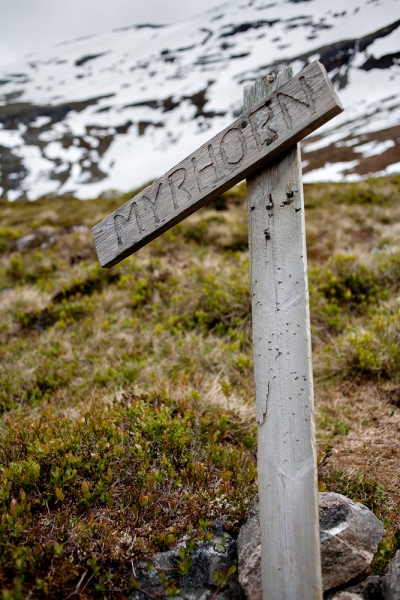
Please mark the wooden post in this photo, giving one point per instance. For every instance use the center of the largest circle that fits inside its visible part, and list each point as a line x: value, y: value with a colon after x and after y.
x: 279, y: 111
x: 287, y: 477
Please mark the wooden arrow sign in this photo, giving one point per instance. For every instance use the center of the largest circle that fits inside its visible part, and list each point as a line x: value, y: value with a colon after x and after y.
x: 277, y: 123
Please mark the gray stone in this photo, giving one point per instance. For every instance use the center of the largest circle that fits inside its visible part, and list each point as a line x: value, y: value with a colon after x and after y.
x: 25, y: 241
x: 249, y: 553
x: 369, y: 589
x: 347, y: 596
x: 391, y: 584
x: 79, y: 229
x: 199, y: 583
x: 349, y: 535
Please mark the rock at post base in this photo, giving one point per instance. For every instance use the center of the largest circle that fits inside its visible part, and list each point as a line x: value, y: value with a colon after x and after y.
x: 349, y: 534
x: 348, y: 596
x: 369, y: 589
x: 391, y: 583
x: 199, y: 583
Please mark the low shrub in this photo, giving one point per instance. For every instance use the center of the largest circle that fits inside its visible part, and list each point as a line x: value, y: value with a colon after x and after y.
x: 359, y: 487
x: 371, y: 350
x: 113, y: 482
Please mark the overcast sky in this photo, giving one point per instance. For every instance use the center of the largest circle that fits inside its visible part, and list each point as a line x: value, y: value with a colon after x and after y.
x: 32, y: 25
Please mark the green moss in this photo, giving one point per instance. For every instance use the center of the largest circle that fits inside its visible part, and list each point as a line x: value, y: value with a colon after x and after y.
x: 371, y: 351
x: 375, y: 191
x: 360, y: 488
x: 343, y: 286
x: 74, y: 472
x: 344, y: 283
x: 7, y: 235
x: 386, y: 550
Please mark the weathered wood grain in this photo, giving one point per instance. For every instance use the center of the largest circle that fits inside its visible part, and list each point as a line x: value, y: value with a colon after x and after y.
x: 283, y: 374
x: 267, y: 129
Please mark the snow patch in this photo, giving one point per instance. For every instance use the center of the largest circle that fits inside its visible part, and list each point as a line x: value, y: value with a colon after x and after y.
x: 333, y: 172
x: 374, y: 148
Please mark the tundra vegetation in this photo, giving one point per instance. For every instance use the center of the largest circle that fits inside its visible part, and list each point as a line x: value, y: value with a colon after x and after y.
x: 127, y: 395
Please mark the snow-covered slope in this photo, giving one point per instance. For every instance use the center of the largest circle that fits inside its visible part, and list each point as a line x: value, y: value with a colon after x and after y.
x: 118, y: 109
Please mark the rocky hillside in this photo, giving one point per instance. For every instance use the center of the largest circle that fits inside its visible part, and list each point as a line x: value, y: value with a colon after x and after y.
x: 118, y: 109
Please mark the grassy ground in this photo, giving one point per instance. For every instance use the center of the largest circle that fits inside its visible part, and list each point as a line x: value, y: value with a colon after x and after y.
x: 127, y: 394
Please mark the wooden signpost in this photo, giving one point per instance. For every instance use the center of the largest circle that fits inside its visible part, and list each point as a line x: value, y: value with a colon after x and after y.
x: 261, y: 145
x: 286, y: 465
x: 269, y: 128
